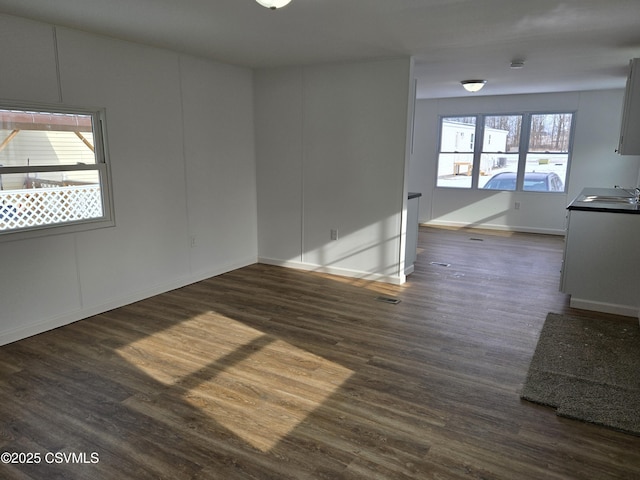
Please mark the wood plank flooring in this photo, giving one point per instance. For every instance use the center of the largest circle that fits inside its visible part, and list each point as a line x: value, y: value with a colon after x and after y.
x: 271, y: 373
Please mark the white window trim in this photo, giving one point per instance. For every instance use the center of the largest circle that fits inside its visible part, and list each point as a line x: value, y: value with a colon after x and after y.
x: 522, y: 150
x: 101, y: 166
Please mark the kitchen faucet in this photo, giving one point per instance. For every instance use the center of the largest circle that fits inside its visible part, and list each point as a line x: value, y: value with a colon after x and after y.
x: 635, y: 193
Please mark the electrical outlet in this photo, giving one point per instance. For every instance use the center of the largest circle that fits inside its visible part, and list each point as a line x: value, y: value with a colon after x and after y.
x: 193, y: 240
x: 334, y: 234
x: 517, y: 206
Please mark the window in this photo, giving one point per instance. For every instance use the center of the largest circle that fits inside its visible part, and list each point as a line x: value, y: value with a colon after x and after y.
x: 456, y: 154
x: 500, y: 149
x: 53, y: 170
x: 548, y: 152
x: 518, y: 152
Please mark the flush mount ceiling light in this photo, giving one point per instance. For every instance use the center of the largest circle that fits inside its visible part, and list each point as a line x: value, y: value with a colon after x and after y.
x: 517, y: 65
x: 273, y: 4
x: 473, y: 85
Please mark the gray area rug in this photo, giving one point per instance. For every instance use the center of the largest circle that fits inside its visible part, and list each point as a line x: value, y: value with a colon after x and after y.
x: 588, y: 370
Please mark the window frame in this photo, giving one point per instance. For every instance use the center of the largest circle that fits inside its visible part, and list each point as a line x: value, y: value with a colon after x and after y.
x: 101, y: 166
x: 523, y: 148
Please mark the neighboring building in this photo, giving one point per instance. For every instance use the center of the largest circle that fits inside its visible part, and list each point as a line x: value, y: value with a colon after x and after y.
x: 458, y: 140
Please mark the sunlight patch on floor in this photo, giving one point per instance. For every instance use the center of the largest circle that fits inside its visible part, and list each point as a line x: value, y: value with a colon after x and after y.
x: 372, y: 285
x: 298, y: 383
x: 255, y: 385
x: 186, y: 348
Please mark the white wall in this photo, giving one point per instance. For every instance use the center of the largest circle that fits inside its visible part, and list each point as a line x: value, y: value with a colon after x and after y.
x: 594, y: 163
x: 331, y: 152
x: 180, y: 137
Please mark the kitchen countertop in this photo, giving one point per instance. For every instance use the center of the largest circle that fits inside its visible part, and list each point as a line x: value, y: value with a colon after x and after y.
x: 603, y: 206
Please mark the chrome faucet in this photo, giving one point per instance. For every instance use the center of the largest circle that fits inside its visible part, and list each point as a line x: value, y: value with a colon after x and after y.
x: 635, y: 193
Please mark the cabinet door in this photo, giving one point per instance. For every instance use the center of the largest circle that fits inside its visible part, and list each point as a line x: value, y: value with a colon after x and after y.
x: 601, y: 261
x: 629, y: 143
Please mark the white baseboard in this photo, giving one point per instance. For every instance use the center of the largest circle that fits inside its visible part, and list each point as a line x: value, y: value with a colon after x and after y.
x: 66, y: 318
x: 343, y: 272
x: 625, y: 310
x: 488, y: 226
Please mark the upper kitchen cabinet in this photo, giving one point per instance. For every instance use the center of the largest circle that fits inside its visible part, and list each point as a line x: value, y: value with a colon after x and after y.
x: 630, y: 131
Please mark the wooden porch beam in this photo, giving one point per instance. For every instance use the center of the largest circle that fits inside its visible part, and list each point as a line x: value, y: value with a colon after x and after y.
x: 6, y: 141
x: 85, y: 141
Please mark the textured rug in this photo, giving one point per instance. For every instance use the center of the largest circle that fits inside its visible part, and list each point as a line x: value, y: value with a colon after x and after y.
x: 588, y: 370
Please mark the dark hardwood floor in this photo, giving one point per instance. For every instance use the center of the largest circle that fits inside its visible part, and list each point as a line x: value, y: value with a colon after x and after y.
x: 271, y: 373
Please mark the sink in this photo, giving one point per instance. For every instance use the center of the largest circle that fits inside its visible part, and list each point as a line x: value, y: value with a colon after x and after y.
x: 608, y: 199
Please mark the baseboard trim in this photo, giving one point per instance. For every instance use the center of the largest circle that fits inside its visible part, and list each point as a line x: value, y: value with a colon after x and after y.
x: 502, y: 228
x: 67, y: 318
x: 342, y: 272
x: 625, y: 310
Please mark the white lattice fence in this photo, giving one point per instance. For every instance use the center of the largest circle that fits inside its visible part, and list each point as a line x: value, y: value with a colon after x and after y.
x: 45, y: 206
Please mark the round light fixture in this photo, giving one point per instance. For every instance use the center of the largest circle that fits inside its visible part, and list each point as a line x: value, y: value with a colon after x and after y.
x: 273, y: 4
x: 473, y: 85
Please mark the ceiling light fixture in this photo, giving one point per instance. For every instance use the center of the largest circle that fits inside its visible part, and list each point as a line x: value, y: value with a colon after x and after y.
x: 273, y: 4
x: 517, y: 64
x: 473, y: 85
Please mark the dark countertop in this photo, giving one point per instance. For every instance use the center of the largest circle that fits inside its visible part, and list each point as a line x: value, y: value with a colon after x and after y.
x: 579, y: 202
x: 414, y: 195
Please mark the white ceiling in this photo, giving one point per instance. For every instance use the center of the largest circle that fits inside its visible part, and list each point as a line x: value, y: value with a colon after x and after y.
x: 566, y: 45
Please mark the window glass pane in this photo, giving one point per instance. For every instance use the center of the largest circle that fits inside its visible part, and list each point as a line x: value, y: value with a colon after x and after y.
x: 498, y: 171
x: 40, y: 138
x: 48, y: 198
x: 500, y: 145
x: 550, y: 132
x: 548, y: 158
x: 502, y: 133
x: 458, y: 134
x: 454, y: 170
x: 546, y: 172
x: 457, y: 143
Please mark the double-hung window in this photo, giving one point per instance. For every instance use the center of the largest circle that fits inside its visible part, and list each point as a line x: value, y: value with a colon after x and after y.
x: 54, y: 173
x: 517, y: 152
